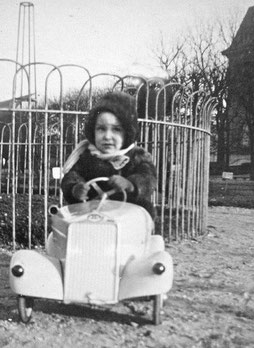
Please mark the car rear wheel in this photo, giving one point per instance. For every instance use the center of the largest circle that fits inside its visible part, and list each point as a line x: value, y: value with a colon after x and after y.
x: 157, y: 301
x: 25, y: 308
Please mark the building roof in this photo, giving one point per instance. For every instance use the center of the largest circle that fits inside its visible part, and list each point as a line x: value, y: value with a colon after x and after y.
x: 5, y: 115
x: 242, y: 45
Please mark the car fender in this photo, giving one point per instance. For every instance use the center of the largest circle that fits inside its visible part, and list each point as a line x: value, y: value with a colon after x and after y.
x: 139, y: 279
x: 50, y: 245
x: 41, y: 276
x: 156, y: 244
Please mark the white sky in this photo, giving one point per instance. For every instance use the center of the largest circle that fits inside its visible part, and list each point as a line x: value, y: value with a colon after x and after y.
x: 108, y: 35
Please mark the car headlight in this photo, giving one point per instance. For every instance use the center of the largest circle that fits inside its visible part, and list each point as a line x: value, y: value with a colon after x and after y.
x: 158, y: 268
x: 17, y: 271
x: 53, y: 209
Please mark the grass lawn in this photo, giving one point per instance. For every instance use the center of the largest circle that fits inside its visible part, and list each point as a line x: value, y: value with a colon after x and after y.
x: 231, y: 193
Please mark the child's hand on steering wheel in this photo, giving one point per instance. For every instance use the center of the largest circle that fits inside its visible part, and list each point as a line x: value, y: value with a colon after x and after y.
x: 120, y: 183
x: 80, y: 191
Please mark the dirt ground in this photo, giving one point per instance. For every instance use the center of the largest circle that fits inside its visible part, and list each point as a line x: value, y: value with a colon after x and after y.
x: 205, y: 307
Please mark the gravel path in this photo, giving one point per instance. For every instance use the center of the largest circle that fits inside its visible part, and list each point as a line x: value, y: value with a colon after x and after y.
x: 205, y: 308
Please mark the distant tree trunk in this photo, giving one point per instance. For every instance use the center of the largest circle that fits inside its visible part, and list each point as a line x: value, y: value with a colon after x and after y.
x: 251, y: 139
x: 221, y: 150
x: 222, y: 144
x: 249, y: 118
x: 227, y: 142
x: 252, y: 157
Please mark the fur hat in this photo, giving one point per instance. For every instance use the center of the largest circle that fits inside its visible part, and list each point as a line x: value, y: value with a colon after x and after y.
x: 122, y: 105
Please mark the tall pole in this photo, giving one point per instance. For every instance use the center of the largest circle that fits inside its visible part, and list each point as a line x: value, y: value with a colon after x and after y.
x: 25, y: 52
x: 24, y: 84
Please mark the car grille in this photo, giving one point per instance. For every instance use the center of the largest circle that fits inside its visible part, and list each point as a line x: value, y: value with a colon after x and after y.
x: 91, y: 268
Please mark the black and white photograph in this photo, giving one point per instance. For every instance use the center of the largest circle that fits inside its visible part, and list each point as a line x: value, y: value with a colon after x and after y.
x: 127, y: 174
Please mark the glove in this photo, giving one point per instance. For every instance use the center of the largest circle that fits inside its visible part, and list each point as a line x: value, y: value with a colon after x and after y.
x: 120, y: 183
x: 80, y: 191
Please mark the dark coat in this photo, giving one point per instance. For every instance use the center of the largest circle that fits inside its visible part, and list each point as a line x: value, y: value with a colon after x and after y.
x: 140, y: 170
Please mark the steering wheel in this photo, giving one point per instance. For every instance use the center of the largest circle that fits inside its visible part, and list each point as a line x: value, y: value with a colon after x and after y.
x: 101, y: 194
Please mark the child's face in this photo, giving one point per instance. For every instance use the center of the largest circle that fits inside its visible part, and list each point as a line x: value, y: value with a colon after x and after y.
x: 109, y: 133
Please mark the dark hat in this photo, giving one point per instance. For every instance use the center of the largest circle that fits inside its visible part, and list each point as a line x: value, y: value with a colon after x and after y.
x: 123, y: 106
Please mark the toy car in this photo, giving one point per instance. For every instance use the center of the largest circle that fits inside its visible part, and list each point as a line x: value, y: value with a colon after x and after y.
x: 99, y: 252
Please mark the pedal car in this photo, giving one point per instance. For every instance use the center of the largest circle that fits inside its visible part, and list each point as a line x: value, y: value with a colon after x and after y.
x: 99, y: 252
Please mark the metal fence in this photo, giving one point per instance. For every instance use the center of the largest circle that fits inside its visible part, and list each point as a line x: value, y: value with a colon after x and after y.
x: 36, y: 137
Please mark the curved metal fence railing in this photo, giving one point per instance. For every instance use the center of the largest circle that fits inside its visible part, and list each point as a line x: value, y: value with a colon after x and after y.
x: 36, y: 137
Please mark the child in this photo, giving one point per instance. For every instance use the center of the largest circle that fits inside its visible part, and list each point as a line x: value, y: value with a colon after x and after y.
x: 109, y: 151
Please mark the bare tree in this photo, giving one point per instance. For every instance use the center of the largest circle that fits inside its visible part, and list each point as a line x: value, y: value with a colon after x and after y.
x: 209, y: 69
x: 197, y: 60
x: 172, y: 59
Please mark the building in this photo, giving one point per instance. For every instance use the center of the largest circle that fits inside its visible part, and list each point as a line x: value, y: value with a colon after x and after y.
x: 241, y: 85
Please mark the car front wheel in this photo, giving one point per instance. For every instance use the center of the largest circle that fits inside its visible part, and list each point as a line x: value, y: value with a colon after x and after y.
x: 25, y: 308
x: 157, y: 301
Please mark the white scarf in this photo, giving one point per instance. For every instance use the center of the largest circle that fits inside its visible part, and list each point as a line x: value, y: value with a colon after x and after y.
x: 118, y: 159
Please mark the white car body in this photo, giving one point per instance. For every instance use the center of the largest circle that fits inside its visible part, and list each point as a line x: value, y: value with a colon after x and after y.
x: 99, y: 252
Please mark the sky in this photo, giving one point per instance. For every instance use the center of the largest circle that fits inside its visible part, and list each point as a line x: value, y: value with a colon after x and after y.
x: 113, y: 36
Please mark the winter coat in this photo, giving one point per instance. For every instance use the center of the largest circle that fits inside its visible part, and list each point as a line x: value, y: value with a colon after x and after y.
x: 140, y: 171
